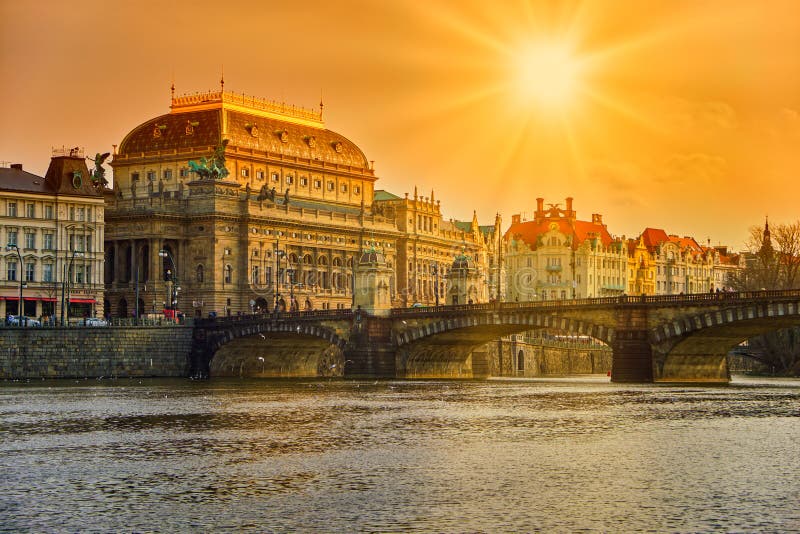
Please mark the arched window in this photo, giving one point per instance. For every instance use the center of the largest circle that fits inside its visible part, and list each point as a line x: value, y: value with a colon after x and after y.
x: 337, y: 262
x: 199, y: 274
x: 254, y: 275
x: 322, y: 260
x: 520, y: 361
x: 308, y: 260
x: 228, y: 274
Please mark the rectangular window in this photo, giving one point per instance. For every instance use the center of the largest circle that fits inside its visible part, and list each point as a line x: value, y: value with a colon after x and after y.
x: 134, y: 176
x: 79, y: 243
x: 290, y: 179
x: 30, y: 268
x: 81, y: 214
x: 11, y: 271
x: 184, y: 173
x: 30, y: 210
x: 245, y: 173
x: 72, y: 213
x: 47, y: 272
x: 88, y: 274
x: 344, y: 188
x: 151, y: 176
x: 79, y: 274
x: 30, y: 240
x: 260, y: 175
x: 275, y: 177
x: 12, y: 237
x: 356, y: 190
x: 48, y: 241
x: 12, y: 209
x: 168, y: 174
x: 48, y: 212
x: 331, y: 186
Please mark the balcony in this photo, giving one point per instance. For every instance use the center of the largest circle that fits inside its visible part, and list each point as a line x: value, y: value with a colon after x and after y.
x: 553, y: 268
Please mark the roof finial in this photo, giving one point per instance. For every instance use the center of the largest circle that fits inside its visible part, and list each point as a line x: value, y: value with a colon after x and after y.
x: 321, y: 105
x: 222, y: 78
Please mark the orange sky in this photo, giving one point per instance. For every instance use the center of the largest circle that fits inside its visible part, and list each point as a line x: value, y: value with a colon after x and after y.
x: 678, y: 115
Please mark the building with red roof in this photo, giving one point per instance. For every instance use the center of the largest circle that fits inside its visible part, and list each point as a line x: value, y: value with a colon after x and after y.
x: 557, y: 256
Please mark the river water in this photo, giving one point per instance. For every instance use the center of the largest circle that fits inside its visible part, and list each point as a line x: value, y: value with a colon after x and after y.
x: 391, y: 456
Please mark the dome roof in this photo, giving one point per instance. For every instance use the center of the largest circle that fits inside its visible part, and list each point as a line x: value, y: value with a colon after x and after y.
x: 285, y: 132
x: 463, y: 261
x: 372, y: 256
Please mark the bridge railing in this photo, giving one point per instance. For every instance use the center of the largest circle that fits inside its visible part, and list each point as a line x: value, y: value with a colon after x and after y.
x: 278, y: 316
x: 688, y: 299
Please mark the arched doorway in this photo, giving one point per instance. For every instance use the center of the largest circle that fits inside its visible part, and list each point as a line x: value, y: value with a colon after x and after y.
x: 122, y: 308
x: 521, y: 361
x: 261, y: 305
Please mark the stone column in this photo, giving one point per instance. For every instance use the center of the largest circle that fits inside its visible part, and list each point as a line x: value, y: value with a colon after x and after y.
x: 134, y: 261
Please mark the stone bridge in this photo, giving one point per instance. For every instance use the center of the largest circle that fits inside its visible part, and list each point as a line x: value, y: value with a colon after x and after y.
x: 673, y: 338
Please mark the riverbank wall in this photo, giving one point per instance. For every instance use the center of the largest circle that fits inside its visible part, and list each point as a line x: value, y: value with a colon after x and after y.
x: 513, y: 358
x: 141, y: 351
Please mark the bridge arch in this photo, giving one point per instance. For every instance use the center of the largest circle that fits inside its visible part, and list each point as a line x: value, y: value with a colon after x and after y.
x: 274, y: 349
x: 509, y: 323
x: 442, y: 347
x: 695, y: 346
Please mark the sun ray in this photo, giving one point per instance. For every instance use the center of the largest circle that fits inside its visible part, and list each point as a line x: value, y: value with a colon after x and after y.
x: 613, y: 104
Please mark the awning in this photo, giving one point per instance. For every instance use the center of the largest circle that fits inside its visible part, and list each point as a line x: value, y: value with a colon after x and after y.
x: 82, y: 301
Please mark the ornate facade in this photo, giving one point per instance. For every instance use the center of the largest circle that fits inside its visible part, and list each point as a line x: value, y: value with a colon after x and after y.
x: 230, y: 203
x: 557, y: 256
x: 55, y: 225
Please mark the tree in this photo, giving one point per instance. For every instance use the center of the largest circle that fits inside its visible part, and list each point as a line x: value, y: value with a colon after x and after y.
x: 771, y: 267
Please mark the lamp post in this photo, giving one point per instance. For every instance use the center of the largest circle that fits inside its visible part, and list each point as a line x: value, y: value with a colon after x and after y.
x: 21, y: 307
x: 278, y: 254
x: 436, y: 282
x: 65, y: 285
x: 172, y: 277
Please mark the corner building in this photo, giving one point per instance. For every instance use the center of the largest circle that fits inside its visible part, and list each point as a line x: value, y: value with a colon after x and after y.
x: 283, y: 227
x: 55, y: 224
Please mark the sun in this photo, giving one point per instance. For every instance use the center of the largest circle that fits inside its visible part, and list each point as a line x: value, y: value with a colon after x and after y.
x: 547, y: 75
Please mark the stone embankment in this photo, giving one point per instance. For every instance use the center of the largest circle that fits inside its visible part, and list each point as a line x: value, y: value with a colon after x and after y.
x: 158, y: 351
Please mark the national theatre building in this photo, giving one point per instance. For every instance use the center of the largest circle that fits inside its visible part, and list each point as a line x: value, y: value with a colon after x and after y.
x: 230, y: 203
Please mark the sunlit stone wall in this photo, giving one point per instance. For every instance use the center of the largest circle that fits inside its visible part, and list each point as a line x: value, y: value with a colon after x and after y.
x: 94, y: 352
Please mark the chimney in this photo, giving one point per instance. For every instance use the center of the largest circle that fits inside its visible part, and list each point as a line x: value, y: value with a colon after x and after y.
x: 597, y: 218
x: 17, y: 166
x: 539, y: 204
x: 569, y: 204
x: 515, y: 219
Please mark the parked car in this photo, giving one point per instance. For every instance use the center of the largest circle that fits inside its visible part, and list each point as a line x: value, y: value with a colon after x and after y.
x: 16, y: 320
x: 94, y: 321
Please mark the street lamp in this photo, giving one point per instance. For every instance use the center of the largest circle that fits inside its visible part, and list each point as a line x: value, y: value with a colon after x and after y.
x: 21, y: 309
x: 172, y: 276
x: 65, y: 284
x: 436, y: 282
x: 278, y: 254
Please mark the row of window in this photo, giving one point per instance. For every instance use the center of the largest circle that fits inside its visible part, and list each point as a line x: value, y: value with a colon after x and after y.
x: 31, y: 211
x: 78, y: 274
x: 76, y: 242
x: 166, y: 174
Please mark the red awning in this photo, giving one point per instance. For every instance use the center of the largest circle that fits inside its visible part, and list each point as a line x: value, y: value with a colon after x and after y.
x: 82, y: 301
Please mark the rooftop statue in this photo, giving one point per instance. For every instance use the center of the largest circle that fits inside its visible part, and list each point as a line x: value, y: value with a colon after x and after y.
x: 213, y: 169
x: 98, y: 175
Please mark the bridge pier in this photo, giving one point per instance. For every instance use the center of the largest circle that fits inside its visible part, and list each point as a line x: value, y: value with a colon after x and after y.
x: 705, y: 368
x: 371, y: 352
x: 632, y: 357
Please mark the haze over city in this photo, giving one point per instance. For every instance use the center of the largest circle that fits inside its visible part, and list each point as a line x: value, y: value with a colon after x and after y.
x: 678, y: 115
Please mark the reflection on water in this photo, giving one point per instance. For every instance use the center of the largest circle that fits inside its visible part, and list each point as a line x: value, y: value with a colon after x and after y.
x: 502, y: 455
